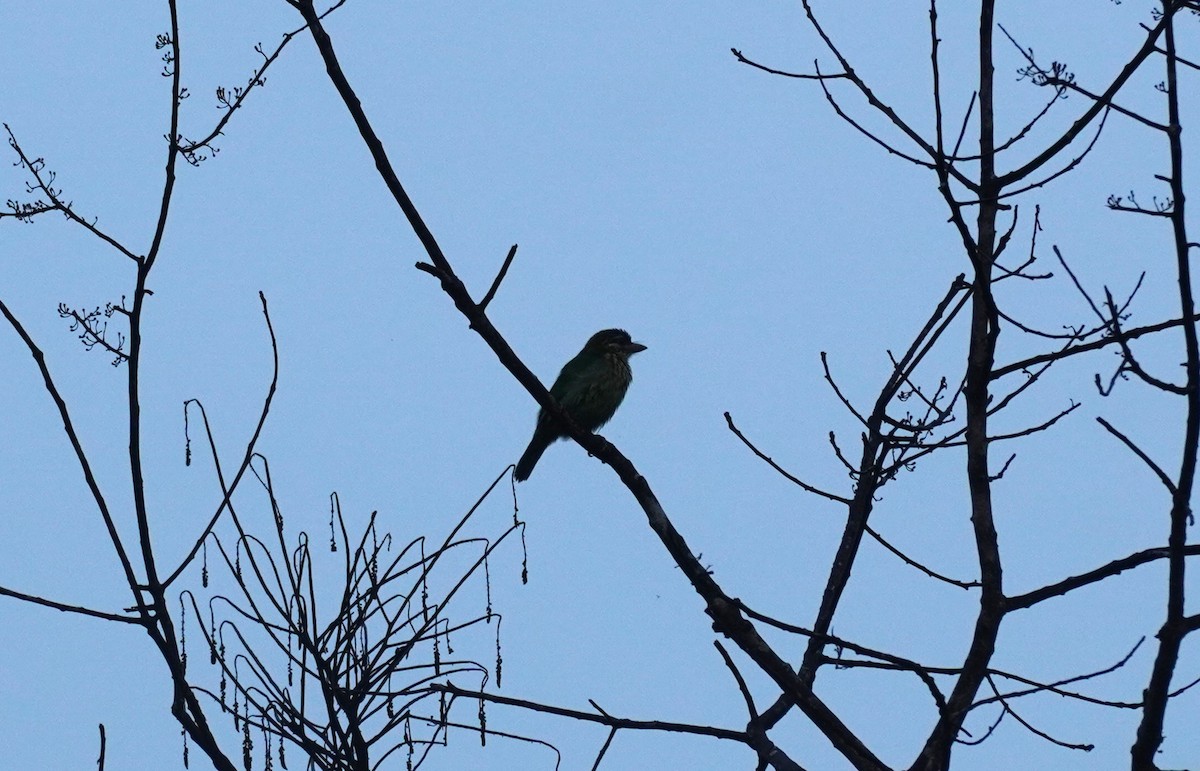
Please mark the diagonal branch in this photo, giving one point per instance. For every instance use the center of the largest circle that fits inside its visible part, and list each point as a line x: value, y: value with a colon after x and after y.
x: 727, y: 618
x: 66, y: 608
x: 1060, y: 588
x: 247, y: 457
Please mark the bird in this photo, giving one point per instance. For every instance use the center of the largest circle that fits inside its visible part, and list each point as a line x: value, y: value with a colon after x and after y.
x: 590, y: 388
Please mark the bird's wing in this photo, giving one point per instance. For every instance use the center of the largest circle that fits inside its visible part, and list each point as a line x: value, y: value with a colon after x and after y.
x: 571, y: 382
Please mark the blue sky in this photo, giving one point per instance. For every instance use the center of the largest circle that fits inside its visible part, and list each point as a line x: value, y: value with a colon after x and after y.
x: 725, y: 217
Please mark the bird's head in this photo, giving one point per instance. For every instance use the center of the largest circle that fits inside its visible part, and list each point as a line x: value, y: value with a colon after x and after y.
x: 613, y: 341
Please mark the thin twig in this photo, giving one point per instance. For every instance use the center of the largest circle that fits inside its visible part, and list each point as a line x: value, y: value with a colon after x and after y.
x: 491, y: 292
x: 1162, y: 475
x: 783, y: 472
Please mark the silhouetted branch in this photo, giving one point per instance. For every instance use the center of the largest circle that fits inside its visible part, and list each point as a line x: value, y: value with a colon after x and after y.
x: 599, y: 716
x: 487, y: 298
x: 67, y: 608
x: 770, y: 462
x: 81, y: 456
x: 1099, y: 104
x: 924, y: 569
x: 54, y: 202
x: 240, y: 94
x: 369, y: 665
x: 227, y: 490
x: 800, y: 75
x: 1030, y: 727
x: 727, y: 619
x: 1095, y: 345
x: 1057, y: 686
x: 1162, y: 476
x: 1113, y: 568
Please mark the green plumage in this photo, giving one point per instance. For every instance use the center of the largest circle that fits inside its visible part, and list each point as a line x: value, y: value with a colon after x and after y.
x: 590, y: 388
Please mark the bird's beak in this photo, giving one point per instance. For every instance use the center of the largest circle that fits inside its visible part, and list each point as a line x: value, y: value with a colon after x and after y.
x: 633, y: 348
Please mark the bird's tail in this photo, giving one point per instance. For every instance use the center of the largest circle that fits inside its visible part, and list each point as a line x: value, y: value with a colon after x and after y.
x: 530, y: 457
